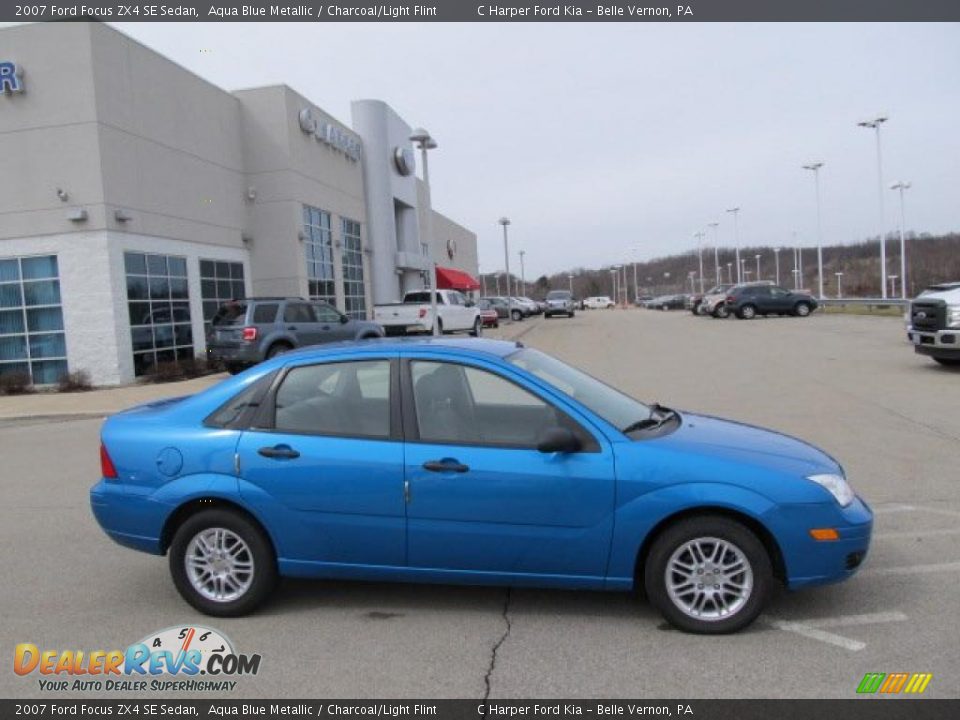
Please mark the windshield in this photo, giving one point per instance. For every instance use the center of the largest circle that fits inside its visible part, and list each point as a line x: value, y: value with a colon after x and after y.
x: 558, y: 295
x: 618, y: 409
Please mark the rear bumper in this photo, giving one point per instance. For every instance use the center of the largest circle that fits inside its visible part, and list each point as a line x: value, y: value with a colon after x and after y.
x: 133, y: 521
x: 245, y: 353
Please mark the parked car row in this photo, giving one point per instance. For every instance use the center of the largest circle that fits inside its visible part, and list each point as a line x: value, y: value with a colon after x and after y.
x: 667, y: 302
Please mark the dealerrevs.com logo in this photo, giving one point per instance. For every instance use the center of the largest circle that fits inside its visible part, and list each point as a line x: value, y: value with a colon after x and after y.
x: 182, y: 659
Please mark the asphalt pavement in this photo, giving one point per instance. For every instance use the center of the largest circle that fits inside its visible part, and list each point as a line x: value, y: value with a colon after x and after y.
x: 849, y: 384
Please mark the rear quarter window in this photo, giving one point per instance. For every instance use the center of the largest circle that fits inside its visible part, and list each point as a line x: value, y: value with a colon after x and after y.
x: 265, y: 314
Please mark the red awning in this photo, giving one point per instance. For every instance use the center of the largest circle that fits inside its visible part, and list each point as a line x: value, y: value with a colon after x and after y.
x: 450, y: 279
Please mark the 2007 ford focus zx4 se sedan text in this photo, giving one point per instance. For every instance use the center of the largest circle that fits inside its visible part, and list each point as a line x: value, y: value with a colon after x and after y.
x: 470, y: 461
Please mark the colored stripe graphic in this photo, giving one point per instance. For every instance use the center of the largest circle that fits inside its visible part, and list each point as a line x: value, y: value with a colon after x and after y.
x: 893, y: 683
x: 871, y: 682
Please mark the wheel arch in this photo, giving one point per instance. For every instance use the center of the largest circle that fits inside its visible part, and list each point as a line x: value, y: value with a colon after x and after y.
x: 191, y: 507
x: 752, y: 523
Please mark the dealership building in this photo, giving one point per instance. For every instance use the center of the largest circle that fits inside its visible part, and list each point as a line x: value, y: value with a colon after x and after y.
x: 136, y: 197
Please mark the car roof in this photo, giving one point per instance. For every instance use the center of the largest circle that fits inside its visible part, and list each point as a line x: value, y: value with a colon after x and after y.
x: 452, y: 345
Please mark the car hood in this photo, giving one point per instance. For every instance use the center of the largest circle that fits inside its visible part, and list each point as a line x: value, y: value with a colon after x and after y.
x: 738, y: 442
x: 949, y: 296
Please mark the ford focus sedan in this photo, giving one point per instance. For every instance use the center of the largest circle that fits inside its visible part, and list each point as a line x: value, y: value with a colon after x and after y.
x: 470, y: 461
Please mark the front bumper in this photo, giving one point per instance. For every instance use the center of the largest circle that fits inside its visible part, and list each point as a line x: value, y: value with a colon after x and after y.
x: 558, y: 310
x: 811, y: 562
x: 938, y: 343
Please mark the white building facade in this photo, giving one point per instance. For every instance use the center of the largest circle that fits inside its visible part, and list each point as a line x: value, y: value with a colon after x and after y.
x: 135, y: 198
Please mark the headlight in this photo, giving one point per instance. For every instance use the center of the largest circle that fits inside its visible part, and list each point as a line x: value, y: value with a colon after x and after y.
x: 953, y: 316
x: 837, y: 486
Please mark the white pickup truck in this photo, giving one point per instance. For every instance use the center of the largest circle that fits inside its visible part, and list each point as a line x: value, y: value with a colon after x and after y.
x: 934, y: 323
x: 414, y: 314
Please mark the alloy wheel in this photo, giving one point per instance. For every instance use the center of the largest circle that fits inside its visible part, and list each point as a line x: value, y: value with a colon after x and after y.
x: 219, y: 564
x: 709, y: 578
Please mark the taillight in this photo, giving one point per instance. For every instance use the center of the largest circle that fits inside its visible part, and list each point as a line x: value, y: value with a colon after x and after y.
x: 730, y: 299
x: 107, y: 469
x: 422, y: 313
x: 249, y: 334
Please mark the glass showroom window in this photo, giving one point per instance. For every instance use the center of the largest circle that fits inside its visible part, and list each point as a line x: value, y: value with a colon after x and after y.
x: 220, y: 282
x: 31, y: 319
x: 159, y: 307
x: 353, y: 290
x: 318, y: 243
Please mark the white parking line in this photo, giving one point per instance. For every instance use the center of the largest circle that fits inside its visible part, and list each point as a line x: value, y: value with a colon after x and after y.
x: 912, y: 569
x: 821, y: 635
x: 916, y: 533
x: 813, y: 628
x: 863, y: 619
x: 892, y: 508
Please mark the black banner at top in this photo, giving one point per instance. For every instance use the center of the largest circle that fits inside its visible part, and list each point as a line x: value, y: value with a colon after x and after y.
x: 497, y: 11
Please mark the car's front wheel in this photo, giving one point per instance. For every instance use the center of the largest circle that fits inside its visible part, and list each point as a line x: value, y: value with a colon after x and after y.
x: 477, y: 330
x: 708, y: 575
x: 802, y: 309
x: 747, y: 312
x: 222, y: 563
x: 516, y: 315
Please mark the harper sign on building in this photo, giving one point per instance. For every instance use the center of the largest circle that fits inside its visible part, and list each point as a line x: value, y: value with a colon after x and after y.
x: 330, y: 134
x: 11, y: 77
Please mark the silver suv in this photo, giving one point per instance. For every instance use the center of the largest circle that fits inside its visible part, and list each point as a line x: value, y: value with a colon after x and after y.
x: 245, y: 332
x: 559, y: 302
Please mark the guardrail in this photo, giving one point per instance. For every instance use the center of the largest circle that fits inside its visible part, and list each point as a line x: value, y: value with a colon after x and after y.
x: 868, y: 302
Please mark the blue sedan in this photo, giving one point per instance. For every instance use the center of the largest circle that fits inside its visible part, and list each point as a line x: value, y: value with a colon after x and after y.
x: 470, y: 461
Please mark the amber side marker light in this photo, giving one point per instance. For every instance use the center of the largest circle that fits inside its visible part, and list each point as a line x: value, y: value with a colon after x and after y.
x: 824, y: 534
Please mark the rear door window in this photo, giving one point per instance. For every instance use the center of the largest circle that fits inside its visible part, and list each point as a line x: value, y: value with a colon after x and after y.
x: 298, y: 313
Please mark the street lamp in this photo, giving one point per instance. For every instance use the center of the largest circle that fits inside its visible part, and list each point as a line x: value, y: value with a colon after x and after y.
x: 757, y: 257
x: 506, y: 259
x: 815, y: 169
x: 699, y: 235
x: 730, y: 272
x: 839, y: 276
x: 901, y: 186
x: 425, y: 142
x: 692, y: 275
x: 570, y: 278
x: 716, y: 250
x: 893, y: 284
x: 736, y: 239
x: 497, y: 278
x: 523, y: 277
x: 875, y: 125
x: 776, y: 262
x: 613, y: 283
x: 741, y: 270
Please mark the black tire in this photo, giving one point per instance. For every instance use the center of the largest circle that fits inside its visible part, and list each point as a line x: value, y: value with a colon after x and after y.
x: 747, y: 312
x: 572, y: 314
x: 234, y: 368
x: 948, y: 362
x: 708, y: 527
x: 802, y: 309
x: 477, y: 330
x: 516, y: 316
x: 264, y: 578
x: 278, y: 348
x: 720, y: 311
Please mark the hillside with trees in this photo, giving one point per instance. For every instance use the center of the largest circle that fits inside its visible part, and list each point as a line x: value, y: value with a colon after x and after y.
x: 930, y: 259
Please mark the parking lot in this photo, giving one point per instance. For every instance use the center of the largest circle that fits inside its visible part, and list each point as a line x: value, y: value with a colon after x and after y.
x: 849, y: 384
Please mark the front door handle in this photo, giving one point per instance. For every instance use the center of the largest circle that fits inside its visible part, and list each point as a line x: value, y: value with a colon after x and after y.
x: 445, y: 465
x: 279, y: 452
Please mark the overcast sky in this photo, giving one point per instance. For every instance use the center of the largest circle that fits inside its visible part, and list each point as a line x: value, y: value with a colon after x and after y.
x: 599, y: 138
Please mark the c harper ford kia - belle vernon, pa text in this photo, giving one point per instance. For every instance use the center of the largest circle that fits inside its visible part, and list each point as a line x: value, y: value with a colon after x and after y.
x: 470, y: 461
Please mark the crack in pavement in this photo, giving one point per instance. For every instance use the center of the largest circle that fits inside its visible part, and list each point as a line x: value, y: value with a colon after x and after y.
x: 496, y: 648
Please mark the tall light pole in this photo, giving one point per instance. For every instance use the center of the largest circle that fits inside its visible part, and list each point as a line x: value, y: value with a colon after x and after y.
x: 483, y: 281
x: 692, y: 275
x: 730, y: 272
x: 636, y: 286
x: 776, y: 262
x: 506, y: 260
x: 497, y: 278
x: 699, y: 235
x: 815, y: 169
x: 742, y: 271
x: 613, y: 283
x: 523, y: 277
x: 716, y: 250
x: 425, y: 142
x: 839, y: 276
x: 893, y: 285
x: 736, y: 240
x: 570, y: 278
x: 626, y: 285
x: 875, y: 125
x: 757, y: 256
x: 901, y: 186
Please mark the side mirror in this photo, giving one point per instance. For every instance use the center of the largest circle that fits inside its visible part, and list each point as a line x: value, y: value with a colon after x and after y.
x: 557, y: 439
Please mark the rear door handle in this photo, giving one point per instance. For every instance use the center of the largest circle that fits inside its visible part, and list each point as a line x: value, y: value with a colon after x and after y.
x: 445, y: 465
x: 279, y: 452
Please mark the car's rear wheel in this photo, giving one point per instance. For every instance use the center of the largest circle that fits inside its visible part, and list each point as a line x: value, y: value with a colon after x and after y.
x: 801, y: 309
x: 278, y: 349
x: 747, y: 312
x: 477, y: 330
x: 233, y: 368
x: 720, y: 311
x: 516, y: 315
x: 222, y: 563
x: 708, y: 575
